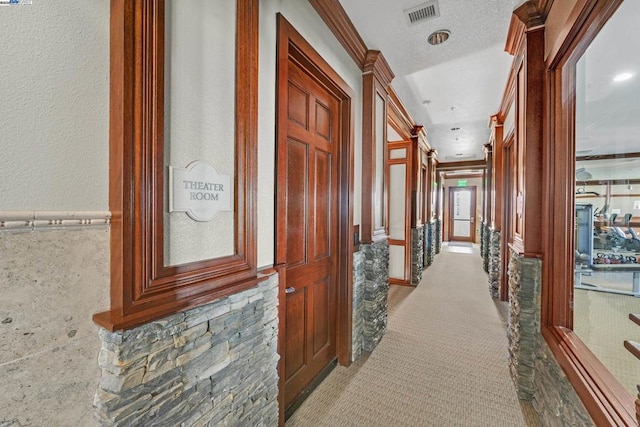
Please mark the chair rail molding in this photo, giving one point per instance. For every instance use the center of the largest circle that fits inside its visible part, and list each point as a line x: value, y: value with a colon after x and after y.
x: 52, y: 220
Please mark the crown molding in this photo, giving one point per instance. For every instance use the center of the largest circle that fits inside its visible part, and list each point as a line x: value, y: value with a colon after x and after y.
x: 399, y: 116
x: 334, y: 15
x: 376, y: 64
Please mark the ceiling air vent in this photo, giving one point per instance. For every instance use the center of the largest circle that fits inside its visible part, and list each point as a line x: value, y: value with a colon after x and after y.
x: 422, y: 12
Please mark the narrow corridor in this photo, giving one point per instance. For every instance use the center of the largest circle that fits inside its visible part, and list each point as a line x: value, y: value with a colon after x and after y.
x: 442, y: 362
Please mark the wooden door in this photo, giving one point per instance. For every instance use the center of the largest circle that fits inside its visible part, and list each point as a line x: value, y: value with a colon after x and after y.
x: 462, y: 211
x: 310, y: 162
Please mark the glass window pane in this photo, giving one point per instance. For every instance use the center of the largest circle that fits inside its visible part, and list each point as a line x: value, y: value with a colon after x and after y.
x: 607, y: 248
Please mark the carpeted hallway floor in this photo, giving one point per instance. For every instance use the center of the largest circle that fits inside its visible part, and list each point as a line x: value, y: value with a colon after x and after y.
x: 442, y: 362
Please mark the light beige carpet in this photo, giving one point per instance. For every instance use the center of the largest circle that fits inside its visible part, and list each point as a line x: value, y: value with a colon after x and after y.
x: 442, y: 362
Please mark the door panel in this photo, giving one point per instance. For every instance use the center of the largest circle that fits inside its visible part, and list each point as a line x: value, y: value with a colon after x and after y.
x: 321, y: 315
x: 311, y: 195
x: 462, y: 209
x: 322, y: 215
x: 297, y: 161
x: 296, y: 321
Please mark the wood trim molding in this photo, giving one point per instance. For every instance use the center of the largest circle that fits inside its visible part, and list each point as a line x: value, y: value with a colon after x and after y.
x: 470, y: 164
x: 399, y: 117
x: 606, y: 400
x: 334, y: 15
x: 509, y: 95
x: 514, y: 35
x: 465, y: 176
x: 376, y: 64
x: 529, y: 14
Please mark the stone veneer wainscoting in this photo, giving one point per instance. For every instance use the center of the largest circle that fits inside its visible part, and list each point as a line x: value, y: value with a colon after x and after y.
x: 484, y: 246
x: 357, y: 327
x: 212, y: 365
x: 376, y: 291
x: 495, y: 263
x: 417, y: 254
x: 438, y: 235
x: 538, y: 377
x: 429, y: 244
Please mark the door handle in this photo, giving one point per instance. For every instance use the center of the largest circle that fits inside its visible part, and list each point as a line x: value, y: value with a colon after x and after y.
x: 290, y: 290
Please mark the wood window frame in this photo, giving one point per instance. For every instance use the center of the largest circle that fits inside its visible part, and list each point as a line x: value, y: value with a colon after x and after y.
x: 605, y: 399
x: 142, y: 287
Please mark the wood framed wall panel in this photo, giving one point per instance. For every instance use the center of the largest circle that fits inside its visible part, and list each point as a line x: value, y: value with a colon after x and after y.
x: 405, y: 242
x: 142, y: 287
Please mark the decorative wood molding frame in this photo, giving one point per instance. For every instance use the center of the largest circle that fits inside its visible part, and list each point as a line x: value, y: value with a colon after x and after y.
x: 142, y: 288
x: 52, y: 220
x: 405, y: 242
x: 333, y: 14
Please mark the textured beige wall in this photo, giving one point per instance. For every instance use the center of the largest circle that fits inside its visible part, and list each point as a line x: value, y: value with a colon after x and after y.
x: 54, y: 91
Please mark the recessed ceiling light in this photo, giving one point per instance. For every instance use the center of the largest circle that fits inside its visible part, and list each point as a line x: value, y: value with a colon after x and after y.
x: 439, y: 37
x: 622, y: 77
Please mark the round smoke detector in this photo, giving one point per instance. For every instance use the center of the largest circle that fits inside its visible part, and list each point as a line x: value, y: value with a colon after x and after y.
x: 439, y: 37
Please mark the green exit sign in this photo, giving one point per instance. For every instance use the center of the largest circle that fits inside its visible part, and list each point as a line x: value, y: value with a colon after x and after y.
x: 462, y: 183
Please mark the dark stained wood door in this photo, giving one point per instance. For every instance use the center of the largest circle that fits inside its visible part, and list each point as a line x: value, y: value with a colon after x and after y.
x: 311, y: 159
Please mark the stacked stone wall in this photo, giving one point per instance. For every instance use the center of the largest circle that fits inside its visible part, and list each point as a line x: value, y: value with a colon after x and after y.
x: 417, y: 254
x: 212, y: 365
x: 538, y: 377
x: 430, y: 243
x: 357, y: 330
x: 524, y: 321
x: 495, y: 263
x: 484, y: 248
x: 376, y: 291
x: 438, y: 235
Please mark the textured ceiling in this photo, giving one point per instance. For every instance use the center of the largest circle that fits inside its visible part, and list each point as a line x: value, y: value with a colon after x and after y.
x: 458, y: 84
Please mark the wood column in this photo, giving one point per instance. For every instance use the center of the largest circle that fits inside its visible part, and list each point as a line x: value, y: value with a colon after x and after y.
x: 375, y: 82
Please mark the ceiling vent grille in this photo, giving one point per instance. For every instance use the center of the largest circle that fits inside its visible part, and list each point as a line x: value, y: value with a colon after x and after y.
x: 422, y: 12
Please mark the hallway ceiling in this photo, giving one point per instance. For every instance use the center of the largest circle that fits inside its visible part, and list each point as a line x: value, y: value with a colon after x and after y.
x: 458, y: 84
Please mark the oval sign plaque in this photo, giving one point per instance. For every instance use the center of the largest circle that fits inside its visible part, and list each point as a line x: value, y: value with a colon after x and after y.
x: 199, y: 190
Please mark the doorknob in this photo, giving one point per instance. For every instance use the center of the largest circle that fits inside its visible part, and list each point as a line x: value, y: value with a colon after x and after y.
x: 289, y: 290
